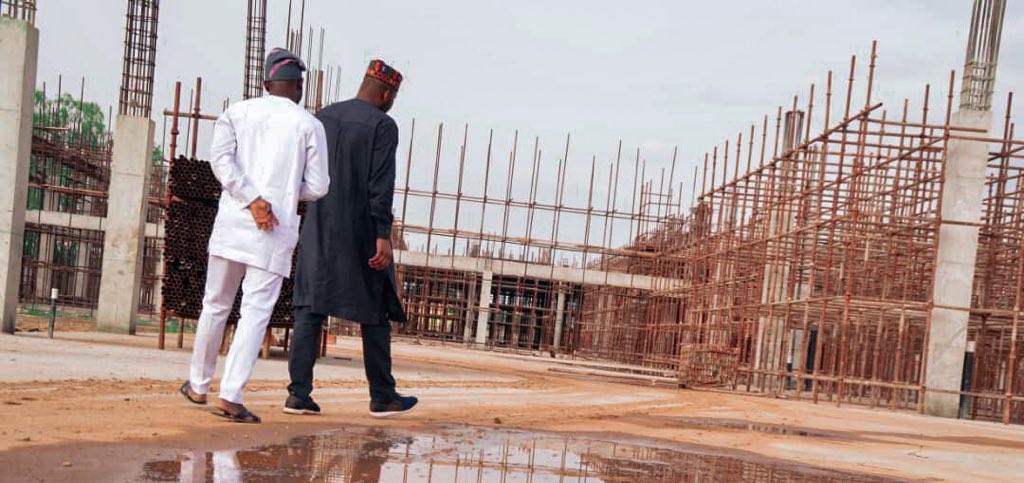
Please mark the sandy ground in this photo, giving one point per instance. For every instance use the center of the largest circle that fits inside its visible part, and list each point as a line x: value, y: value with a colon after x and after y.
x: 64, y: 401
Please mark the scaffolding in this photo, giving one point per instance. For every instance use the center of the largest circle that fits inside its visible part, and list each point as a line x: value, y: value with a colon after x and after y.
x: 69, y: 175
x: 67, y: 259
x: 441, y: 302
x: 69, y: 179
x: 70, y: 165
x: 804, y: 266
x: 807, y: 262
x: 499, y: 251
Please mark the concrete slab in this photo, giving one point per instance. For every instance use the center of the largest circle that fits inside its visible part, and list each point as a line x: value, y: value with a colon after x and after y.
x: 535, y: 270
x: 80, y: 222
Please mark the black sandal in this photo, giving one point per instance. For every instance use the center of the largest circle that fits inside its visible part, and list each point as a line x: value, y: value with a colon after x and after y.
x: 185, y: 390
x: 243, y: 416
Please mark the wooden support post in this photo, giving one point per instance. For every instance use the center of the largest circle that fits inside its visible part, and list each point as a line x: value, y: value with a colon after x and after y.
x: 266, y: 344
x: 181, y: 333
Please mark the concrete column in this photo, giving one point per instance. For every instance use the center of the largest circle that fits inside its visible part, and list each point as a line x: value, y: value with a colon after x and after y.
x: 559, y: 319
x: 963, y: 193
x: 158, y: 288
x: 126, y: 225
x: 604, y: 305
x: 796, y: 348
x: 467, y: 328
x: 19, y: 49
x: 770, y: 334
x: 781, y: 221
x: 484, y: 316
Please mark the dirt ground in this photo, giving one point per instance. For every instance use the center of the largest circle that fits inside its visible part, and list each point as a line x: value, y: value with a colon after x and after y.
x: 83, y: 403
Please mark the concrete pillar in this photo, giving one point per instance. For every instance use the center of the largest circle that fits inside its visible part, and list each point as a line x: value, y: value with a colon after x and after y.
x: 158, y: 288
x: 126, y: 225
x: 781, y: 221
x: 19, y: 49
x: 796, y: 348
x: 768, y: 350
x: 467, y: 328
x: 484, y: 316
x: 963, y: 193
x: 598, y: 327
x: 559, y: 319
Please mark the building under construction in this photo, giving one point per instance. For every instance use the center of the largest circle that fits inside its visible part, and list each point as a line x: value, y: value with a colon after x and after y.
x: 843, y: 249
x: 69, y: 179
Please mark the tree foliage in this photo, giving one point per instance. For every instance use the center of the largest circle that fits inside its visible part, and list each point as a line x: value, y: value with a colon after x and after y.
x: 158, y: 153
x: 82, y: 121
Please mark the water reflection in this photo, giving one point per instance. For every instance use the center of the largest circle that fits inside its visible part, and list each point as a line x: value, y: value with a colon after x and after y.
x: 375, y: 455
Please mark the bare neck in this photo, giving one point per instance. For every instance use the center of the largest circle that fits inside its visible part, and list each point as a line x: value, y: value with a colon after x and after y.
x: 367, y: 97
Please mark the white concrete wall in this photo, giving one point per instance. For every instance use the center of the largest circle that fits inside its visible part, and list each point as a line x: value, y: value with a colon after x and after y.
x: 125, y: 227
x: 19, y: 49
x: 535, y: 270
x: 962, y: 197
x: 80, y: 222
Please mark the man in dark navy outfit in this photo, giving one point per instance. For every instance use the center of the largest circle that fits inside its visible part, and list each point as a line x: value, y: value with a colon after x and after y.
x: 345, y: 264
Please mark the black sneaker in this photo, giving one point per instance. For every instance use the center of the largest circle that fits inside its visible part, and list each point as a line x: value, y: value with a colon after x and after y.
x: 295, y: 405
x: 401, y: 405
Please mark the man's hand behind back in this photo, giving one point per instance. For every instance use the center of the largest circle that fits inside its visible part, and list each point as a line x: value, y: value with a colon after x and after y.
x: 263, y: 215
x: 382, y: 259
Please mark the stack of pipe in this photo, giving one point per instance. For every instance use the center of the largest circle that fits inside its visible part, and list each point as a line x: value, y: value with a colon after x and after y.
x: 195, y: 194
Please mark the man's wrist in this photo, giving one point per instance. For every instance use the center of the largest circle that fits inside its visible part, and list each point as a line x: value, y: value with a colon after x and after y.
x: 250, y: 195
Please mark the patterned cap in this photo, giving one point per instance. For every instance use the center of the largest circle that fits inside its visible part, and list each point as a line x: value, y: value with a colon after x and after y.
x: 384, y: 73
x: 283, y: 65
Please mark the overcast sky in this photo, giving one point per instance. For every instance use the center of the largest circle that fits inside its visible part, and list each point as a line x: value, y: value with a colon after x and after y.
x: 655, y: 74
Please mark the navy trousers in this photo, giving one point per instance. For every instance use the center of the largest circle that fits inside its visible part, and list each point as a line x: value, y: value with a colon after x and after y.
x: 305, y: 347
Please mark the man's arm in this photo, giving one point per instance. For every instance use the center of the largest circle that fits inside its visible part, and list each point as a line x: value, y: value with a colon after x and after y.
x: 315, y: 180
x: 382, y: 190
x: 225, y: 168
x: 225, y: 164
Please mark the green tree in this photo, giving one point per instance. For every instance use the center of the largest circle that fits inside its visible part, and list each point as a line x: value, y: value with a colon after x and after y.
x: 158, y: 153
x: 70, y: 121
x: 83, y: 121
x: 39, y: 115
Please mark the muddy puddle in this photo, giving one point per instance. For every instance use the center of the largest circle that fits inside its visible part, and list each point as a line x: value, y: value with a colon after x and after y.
x: 474, y: 455
x: 743, y: 425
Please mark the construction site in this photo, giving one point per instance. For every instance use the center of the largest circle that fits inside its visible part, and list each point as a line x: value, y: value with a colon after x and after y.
x: 833, y: 293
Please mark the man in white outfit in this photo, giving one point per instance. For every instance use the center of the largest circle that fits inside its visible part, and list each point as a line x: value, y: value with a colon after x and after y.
x: 268, y: 154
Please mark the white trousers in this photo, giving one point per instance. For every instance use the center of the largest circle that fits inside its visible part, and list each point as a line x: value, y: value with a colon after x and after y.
x: 225, y: 467
x: 260, y: 290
